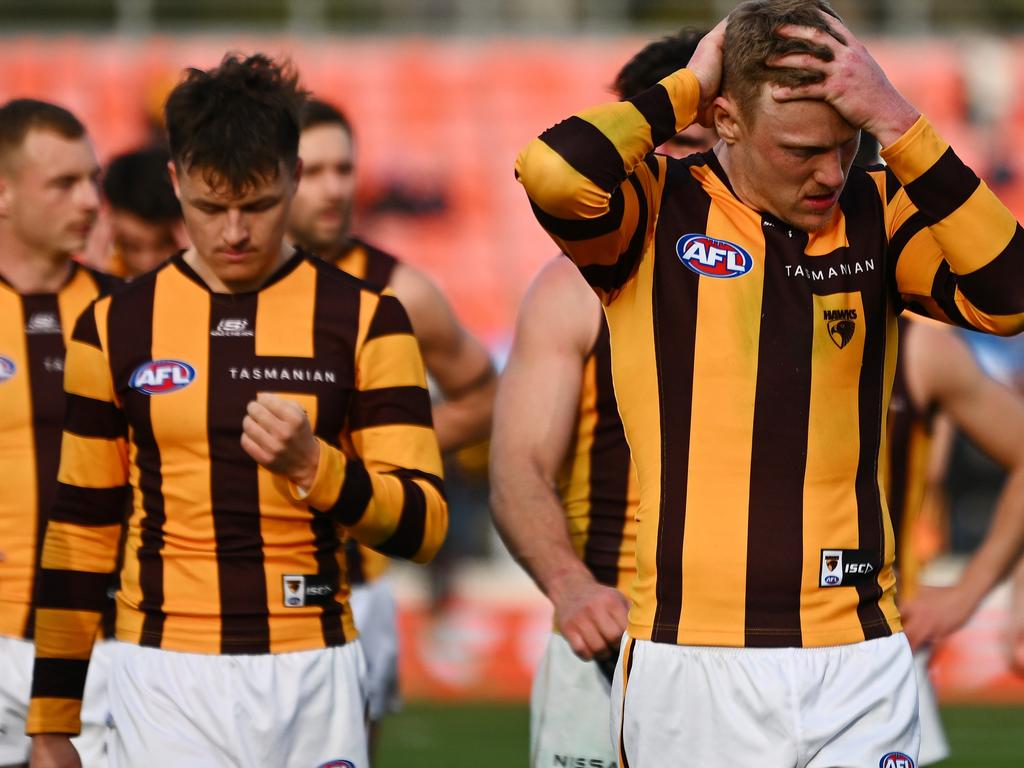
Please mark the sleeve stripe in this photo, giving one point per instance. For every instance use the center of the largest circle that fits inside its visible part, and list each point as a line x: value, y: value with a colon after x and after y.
x: 434, y: 480
x: 608, y: 277
x: 892, y: 185
x: 355, y: 495
x: 588, y: 151
x: 59, y: 678
x: 995, y: 288
x: 73, y: 590
x: 390, y: 405
x: 944, y: 287
x: 944, y: 187
x: 583, y: 229
x: 407, y: 538
x: 94, y: 418
x: 388, y: 320
x: 90, y: 507
x: 906, y: 233
x: 656, y: 107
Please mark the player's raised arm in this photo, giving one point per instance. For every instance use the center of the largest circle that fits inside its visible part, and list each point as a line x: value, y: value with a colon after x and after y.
x: 83, y: 533
x: 591, y: 180
x: 958, y: 252
x: 534, y: 422
x: 390, y: 494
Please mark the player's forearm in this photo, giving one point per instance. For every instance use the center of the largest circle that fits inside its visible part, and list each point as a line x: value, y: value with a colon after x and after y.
x: 571, y: 170
x: 981, y: 241
x: 1003, y: 544
x: 465, y: 419
x: 531, y: 521
x: 401, y: 513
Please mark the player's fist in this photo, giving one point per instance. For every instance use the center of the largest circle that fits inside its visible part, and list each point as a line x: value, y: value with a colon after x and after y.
x: 590, y: 616
x: 277, y: 434
x: 54, y: 750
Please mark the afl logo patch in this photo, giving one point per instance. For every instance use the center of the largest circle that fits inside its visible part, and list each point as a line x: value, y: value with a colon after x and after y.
x: 7, y: 368
x: 896, y: 760
x: 710, y: 257
x: 158, y: 377
x: 338, y: 764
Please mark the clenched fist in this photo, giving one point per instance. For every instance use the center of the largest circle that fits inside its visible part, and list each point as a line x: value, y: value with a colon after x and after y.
x: 277, y: 434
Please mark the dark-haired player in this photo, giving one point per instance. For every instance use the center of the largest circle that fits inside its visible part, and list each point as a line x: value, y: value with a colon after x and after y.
x: 214, y: 392
x: 48, y: 204
x: 321, y: 221
x: 145, y: 215
x: 564, y: 492
x: 752, y: 294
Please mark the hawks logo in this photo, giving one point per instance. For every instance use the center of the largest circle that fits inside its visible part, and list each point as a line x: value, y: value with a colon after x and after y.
x: 158, y: 377
x: 896, y: 760
x: 713, y: 258
x: 831, y: 568
x: 7, y: 368
x: 842, y: 324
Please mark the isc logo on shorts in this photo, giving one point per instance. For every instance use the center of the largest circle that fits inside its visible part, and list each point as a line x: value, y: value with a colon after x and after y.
x: 7, y: 368
x: 710, y: 257
x: 896, y: 760
x: 158, y: 377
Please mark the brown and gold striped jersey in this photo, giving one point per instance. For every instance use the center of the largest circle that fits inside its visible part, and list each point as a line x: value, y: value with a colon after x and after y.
x: 909, y: 432
x: 375, y: 267
x: 753, y: 362
x: 221, y: 555
x: 597, y: 483
x: 34, y: 330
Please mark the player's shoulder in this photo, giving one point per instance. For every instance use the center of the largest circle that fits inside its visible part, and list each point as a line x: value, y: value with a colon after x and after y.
x: 102, y: 282
x: 376, y: 254
x: 560, y: 307
x: 333, y: 279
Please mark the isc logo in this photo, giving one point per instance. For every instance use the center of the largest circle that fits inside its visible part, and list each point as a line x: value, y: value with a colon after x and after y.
x: 158, y: 377
x: 896, y: 760
x: 713, y: 258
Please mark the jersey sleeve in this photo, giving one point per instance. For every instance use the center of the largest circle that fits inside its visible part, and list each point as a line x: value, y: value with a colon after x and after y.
x: 958, y: 252
x: 389, y: 492
x: 594, y: 185
x: 83, y: 532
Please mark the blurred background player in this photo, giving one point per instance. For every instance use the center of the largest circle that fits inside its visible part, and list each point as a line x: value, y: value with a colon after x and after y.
x: 144, y: 216
x: 754, y: 405
x: 564, y: 492
x: 937, y: 376
x: 232, y: 371
x: 321, y: 222
x: 49, y: 199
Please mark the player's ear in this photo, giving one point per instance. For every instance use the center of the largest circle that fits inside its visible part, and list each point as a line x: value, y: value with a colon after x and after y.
x: 172, y: 172
x: 726, y: 119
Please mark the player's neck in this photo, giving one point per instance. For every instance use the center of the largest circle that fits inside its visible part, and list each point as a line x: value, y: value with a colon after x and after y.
x: 30, y: 271
x: 216, y: 284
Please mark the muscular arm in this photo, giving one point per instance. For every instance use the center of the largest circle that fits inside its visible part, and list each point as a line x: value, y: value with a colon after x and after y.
x: 941, y: 370
x: 454, y: 358
x: 535, y: 417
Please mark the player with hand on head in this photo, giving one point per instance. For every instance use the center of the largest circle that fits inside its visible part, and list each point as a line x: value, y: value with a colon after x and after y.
x: 752, y: 294
x: 216, y: 392
x: 564, y: 491
x: 49, y: 199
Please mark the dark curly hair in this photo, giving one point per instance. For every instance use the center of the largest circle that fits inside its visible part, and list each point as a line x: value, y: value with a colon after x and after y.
x: 138, y: 182
x: 237, y: 122
x: 752, y: 39
x: 655, y: 62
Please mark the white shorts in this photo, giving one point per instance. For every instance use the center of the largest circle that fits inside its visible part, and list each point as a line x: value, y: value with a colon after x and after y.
x: 16, y: 659
x: 569, y: 708
x: 934, y: 746
x: 302, y: 709
x: 847, y: 706
x: 376, y: 617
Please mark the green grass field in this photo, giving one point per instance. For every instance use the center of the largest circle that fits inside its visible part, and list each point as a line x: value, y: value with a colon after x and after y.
x: 495, y: 736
